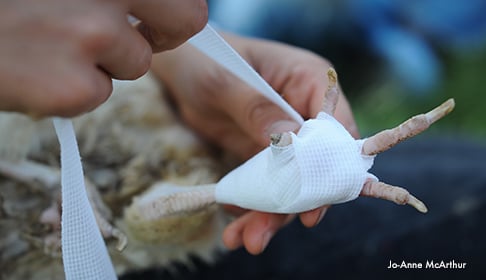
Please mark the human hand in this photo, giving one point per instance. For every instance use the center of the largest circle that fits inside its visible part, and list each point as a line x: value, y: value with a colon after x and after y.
x: 57, y: 57
x: 229, y: 113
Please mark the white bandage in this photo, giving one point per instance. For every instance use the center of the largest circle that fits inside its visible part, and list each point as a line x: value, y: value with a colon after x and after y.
x: 84, y: 252
x: 322, y: 166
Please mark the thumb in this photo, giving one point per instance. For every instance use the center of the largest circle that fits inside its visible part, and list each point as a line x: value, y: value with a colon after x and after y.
x: 281, y: 126
x: 257, y: 116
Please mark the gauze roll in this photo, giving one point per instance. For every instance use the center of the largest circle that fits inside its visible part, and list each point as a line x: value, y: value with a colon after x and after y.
x: 323, y: 165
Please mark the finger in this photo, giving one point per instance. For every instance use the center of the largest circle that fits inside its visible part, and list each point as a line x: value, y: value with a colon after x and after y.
x: 313, y: 217
x: 234, y: 210
x: 81, y: 90
x: 233, y: 233
x: 236, y: 141
x: 261, y: 228
x: 254, y: 230
x: 166, y: 24
x: 226, y: 134
x: 128, y: 56
x: 257, y: 116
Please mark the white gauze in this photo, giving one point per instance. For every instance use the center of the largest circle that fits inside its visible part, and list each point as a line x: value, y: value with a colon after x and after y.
x: 84, y: 252
x: 322, y: 166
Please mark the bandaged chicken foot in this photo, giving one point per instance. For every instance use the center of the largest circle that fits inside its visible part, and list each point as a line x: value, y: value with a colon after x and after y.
x: 380, y: 142
x: 194, y: 198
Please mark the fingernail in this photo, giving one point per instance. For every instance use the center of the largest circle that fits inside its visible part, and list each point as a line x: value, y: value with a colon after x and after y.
x: 282, y: 126
x: 266, y: 239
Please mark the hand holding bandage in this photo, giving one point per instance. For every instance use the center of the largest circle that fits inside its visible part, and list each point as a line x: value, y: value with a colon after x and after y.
x: 317, y: 169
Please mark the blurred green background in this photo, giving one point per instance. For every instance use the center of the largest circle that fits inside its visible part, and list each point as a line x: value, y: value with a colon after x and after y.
x: 385, y: 104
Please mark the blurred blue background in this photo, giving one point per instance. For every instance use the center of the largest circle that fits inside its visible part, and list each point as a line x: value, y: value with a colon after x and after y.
x: 395, y: 58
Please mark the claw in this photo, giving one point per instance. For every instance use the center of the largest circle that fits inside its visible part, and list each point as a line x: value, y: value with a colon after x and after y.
x: 386, y: 139
x: 332, y: 94
x: 439, y: 112
x: 391, y: 193
x: 417, y: 204
x: 281, y: 139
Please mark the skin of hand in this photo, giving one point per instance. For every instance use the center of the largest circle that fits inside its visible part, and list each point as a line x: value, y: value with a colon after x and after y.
x: 57, y: 57
x: 229, y: 113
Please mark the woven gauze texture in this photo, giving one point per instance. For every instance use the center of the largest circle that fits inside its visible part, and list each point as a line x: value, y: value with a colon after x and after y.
x: 322, y: 166
x: 84, y: 252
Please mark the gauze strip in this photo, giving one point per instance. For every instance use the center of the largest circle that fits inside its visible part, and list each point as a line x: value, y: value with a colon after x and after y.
x: 211, y: 44
x: 84, y: 252
x: 322, y: 166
